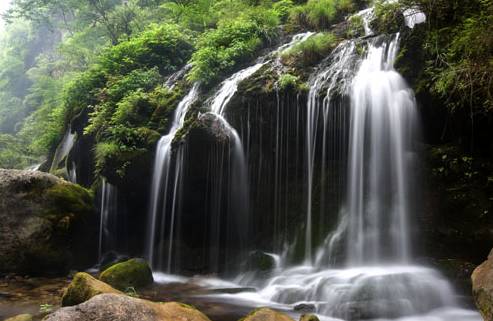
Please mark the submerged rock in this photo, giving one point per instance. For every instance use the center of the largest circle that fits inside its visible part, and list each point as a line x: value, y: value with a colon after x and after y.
x: 44, y: 221
x: 83, y: 287
x: 260, y: 261
x: 134, y: 273
x: 119, y: 307
x: 482, y: 288
x: 266, y: 314
x: 305, y: 307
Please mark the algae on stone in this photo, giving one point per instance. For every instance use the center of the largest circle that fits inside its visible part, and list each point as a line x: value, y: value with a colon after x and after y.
x: 134, y: 273
x: 83, y: 287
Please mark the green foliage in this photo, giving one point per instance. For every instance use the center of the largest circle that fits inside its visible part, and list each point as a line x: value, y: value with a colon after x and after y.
x: 234, y: 42
x: 388, y: 16
x: 458, y: 52
x: 356, y: 27
x: 310, y: 51
x: 130, y: 291
x: 288, y: 81
x: 321, y: 14
x: 164, y: 46
x: 46, y: 308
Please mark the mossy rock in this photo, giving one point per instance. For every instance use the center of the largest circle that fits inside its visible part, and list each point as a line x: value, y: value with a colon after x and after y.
x: 266, y: 314
x: 47, y: 225
x: 83, y: 287
x: 110, y: 307
x: 482, y: 288
x: 260, y: 261
x: 134, y: 273
x: 309, y: 317
x: 20, y: 317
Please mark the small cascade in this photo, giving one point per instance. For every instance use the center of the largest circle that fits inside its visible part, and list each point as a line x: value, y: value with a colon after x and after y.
x: 326, y: 108
x: 72, y: 172
x: 63, y: 149
x: 108, y: 226
x: 162, y: 181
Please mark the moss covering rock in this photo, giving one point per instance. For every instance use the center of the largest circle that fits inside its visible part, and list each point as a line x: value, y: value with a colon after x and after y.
x: 44, y: 221
x: 119, y: 307
x: 482, y: 288
x: 21, y: 317
x: 83, y: 287
x: 266, y: 314
x: 134, y: 273
x: 309, y: 317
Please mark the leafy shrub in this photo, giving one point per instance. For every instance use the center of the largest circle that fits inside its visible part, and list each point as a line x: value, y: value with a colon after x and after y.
x: 163, y: 46
x: 356, y: 27
x: 288, y: 81
x: 233, y: 42
x: 310, y: 51
x: 321, y: 14
x: 388, y: 17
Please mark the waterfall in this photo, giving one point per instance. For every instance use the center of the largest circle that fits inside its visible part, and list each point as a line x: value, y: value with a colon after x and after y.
x: 378, y: 281
x: 383, y: 122
x: 330, y: 81
x: 108, y: 225
x: 63, y: 148
x: 162, y: 179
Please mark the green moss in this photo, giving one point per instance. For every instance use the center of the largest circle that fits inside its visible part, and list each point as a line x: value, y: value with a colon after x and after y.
x: 82, y: 288
x: 68, y: 199
x: 132, y: 273
x: 309, y: 317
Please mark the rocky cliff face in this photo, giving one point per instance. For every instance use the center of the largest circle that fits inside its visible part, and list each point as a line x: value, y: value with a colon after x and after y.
x: 47, y: 225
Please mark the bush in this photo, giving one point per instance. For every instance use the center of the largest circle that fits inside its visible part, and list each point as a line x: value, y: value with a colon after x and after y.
x: 288, y: 81
x: 163, y: 46
x: 310, y: 51
x: 321, y: 14
x: 233, y: 42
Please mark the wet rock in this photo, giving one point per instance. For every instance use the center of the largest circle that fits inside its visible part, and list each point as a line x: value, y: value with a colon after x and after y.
x: 482, y: 288
x: 304, y: 307
x: 134, y: 273
x: 117, y: 307
x: 111, y: 258
x: 266, y: 314
x: 21, y: 317
x: 83, y: 287
x: 44, y: 221
x: 309, y: 317
x: 260, y: 261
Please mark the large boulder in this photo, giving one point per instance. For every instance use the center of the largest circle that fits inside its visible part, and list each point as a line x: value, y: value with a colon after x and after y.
x: 83, y: 287
x: 118, y: 307
x: 44, y: 220
x: 134, y: 273
x: 266, y: 314
x: 482, y: 288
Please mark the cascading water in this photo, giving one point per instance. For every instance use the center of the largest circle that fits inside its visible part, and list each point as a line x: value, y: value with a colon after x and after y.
x: 64, y: 148
x: 378, y: 283
x: 383, y: 122
x: 227, y: 199
x: 159, y: 220
x: 108, y: 225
